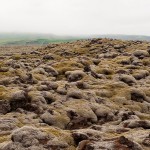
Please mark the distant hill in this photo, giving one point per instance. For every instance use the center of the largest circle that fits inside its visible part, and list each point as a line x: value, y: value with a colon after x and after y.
x: 125, y: 37
x: 43, y: 39
x: 32, y: 39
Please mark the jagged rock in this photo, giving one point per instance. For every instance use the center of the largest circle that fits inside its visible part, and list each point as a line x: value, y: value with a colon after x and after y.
x: 61, y: 91
x: 81, y: 115
x: 125, y: 115
x: 73, y: 76
x: 4, y: 69
x: 28, y: 137
x: 141, y: 53
x: 49, y: 97
x: 50, y: 85
x: 146, y: 141
x: 48, y: 57
x: 79, y: 136
x: 130, y: 144
x: 55, y: 119
x: 35, y: 52
x: 37, y: 102
x: 82, y: 85
x: 103, y: 113
x: 141, y: 74
x: 50, y: 70
x: 56, y: 144
x: 7, y: 125
x: 119, y: 46
x: 120, y: 143
x: 96, y: 61
x: 137, y: 95
x: 6, y: 81
x: 110, y: 55
x: 40, y: 71
x: 128, y: 79
x: 48, y: 118
x: 18, y: 99
x: 137, y: 124
x: 76, y: 94
x: 125, y: 62
x: 148, y: 50
x: 4, y: 106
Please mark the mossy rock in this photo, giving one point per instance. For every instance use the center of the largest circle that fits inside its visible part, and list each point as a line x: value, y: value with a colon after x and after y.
x: 16, y: 57
x: 3, y: 93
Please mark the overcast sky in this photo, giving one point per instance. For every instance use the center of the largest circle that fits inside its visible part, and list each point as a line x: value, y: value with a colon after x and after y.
x: 74, y: 17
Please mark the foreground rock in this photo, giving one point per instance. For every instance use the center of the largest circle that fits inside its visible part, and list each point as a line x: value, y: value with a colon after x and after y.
x: 84, y: 95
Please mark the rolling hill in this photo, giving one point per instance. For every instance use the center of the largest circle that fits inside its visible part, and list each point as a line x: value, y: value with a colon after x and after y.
x: 44, y: 39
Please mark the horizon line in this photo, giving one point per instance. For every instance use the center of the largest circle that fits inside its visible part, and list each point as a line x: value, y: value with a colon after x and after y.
x: 75, y: 35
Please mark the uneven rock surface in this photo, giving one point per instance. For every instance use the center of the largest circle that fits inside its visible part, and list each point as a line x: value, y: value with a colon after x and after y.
x: 85, y: 95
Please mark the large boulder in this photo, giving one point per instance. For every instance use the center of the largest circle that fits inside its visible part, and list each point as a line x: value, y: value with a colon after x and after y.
x: 140, y: 53
x: 18, y: 99
x: 76, y: 75
x: 128, y: 79
x: 27, y: 138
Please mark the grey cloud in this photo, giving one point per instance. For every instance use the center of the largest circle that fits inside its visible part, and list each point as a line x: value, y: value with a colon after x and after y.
x: 75, y: 16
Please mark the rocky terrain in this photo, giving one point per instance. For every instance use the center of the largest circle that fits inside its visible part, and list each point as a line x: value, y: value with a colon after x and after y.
x: 84, y: 95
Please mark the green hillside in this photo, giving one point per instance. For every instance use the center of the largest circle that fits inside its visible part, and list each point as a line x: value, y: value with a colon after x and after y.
x: 32, y: 39
x: 43, y: 39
